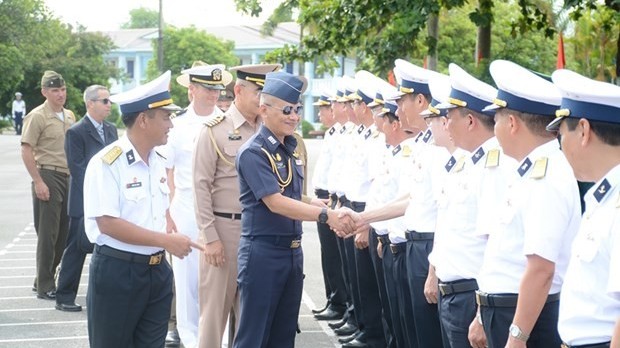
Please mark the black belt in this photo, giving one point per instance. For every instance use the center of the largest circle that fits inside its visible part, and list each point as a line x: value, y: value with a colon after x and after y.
x: 413, y: 235
x: 292, y: 242
x: 228, y: 215
x: 343, y: 200
x: 398, y: 248
x: 505, y: 300
x: 153, y: 260
x: 593, y: 345
x: 322, y: 194
x: 457, y: 286
x: 383, y: 239
x: 358, y: 205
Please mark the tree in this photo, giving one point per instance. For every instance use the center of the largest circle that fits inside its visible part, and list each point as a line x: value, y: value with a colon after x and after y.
x: 32, y: 41
x: 142, y: 17
x: 185, y: 45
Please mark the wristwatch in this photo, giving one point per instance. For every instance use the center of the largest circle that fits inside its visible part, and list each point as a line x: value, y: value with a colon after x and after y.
x: 516, y: 332
x: 323, y: 216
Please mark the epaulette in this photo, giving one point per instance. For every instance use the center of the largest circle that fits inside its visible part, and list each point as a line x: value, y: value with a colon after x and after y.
x: 492, y: 159
x: 112, y: 155
x: 215, y: 121
x: 160, y: 155
x: 540, y: 168
x: 178, y: 113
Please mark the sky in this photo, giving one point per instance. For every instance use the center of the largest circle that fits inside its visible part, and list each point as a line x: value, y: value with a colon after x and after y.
x: 110, y: 14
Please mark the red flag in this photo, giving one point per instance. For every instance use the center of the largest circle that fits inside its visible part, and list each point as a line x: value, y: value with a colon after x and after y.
x: 391, y: 78
x: 561, y: 62
x: 425, y: 63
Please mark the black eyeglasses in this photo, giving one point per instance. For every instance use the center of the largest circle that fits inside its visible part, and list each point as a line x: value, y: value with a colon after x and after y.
x: 288, y: 109
x: 104, y: 100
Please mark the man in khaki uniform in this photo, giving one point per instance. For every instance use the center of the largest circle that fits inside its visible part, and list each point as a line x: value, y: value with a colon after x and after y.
x: 218, y: 211
x: 43, y: 153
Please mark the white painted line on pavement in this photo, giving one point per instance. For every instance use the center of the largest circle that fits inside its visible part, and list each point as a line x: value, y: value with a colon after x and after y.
x: 26, y: 286
x: 24, y: 245
x: 19, y: 267
x: 45, y: 323
x: 21, y: 252
x: 44, y: 339
x: 25, y: 298
x: 28, y: 259
x: 27, y: 276
x: 305, y: 298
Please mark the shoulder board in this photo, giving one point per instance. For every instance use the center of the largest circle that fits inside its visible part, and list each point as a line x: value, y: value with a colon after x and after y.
x: 179, y: 113
x: 215, y: 121
x: 460, y: 164
x: 160, y: 155
x: 112, y: 155
x: 540, y: 168
x: 492, y: 159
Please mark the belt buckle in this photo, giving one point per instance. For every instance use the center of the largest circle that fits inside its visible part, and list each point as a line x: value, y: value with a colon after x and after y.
x: 442, y: 289
x: 478, y: 298
x: 394, y: 249
x: 564, y: 345
x: 296, y: 243
x: 155, y: 259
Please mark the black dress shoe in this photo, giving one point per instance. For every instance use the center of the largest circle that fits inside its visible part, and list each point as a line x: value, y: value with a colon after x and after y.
x: 336, y: 324
x: 355, y: 344
x: 347, y: 339
x: 329, y: 314
x: 172, y: 339
x: 320, y: 310
x: 68, y: 307
x: 345, y: 330
x: 50, y: 295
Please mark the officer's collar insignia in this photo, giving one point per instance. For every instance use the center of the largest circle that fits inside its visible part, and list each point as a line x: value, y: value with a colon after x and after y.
x: 602, y: 190
x: 277, y: 157
x: 343, y: 129
x: 427, y: 135
x: 112, y: 155
x: 295, y: 154
x: 360, y: 129
x: 450, y: 164
x: 525, y: 166
x: 540, y: 168
x: 130, y: 157
x: 477, y: 155
x: 368, y: 133
x: 332, y: 130
x: 406, y: 151
x: 234, y: 135
x: 492, y: 159
x: 419, y: 136
x: 396, y: 150
x: 272, y: 140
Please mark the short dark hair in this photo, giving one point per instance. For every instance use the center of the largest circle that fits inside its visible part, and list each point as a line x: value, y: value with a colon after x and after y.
x: 391, y: 117
x: 487, y: 121
x: 609, y: 133
x: 537, y: 124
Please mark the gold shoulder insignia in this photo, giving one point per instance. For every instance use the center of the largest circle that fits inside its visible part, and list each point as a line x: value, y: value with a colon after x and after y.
x: 406, y: 151
x: 112, y: 155
x: 492, y: 159
x: 460, y: 164
x: 540, y: 168
x: 215, y: 121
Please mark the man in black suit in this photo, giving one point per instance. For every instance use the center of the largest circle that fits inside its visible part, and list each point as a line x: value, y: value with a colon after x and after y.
x: 82, y: 141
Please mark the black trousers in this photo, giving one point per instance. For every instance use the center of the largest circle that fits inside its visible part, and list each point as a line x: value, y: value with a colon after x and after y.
x: 128, y: 302
x: 18, y: 122
x: 347, y: 247
x: 497, y: 320
x: 403, y: 295
x: 370, y: 303
x: 456, y: 312
x: 335, y: 287
x: 72, y: 261
x: 426, y: 315
x: 390, y: 286
x: 377, y: 263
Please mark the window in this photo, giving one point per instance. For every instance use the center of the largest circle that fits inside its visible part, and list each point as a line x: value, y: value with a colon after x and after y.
x: 130, y: 68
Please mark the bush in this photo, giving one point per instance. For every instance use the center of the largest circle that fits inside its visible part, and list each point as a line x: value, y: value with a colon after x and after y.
x: 306, y: 128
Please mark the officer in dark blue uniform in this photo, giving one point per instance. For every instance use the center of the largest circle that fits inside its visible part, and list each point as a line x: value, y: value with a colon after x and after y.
x: 270, y: 259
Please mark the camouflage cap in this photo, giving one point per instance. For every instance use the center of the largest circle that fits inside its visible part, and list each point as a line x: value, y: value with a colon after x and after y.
x: 52, y: 79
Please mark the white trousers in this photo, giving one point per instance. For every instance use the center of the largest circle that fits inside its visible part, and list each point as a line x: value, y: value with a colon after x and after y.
x: 186, y: 270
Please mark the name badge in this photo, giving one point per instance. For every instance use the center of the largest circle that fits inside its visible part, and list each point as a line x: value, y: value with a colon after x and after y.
x: 134, y: 184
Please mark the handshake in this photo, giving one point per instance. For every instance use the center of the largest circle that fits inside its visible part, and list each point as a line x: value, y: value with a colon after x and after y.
x: 346, y: 222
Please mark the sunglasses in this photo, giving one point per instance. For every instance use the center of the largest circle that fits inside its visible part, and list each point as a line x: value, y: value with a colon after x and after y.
x: 104, y: 100
x: 288, y: 109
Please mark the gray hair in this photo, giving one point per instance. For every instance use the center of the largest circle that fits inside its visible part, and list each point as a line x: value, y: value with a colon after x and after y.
x: 92, y: 92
